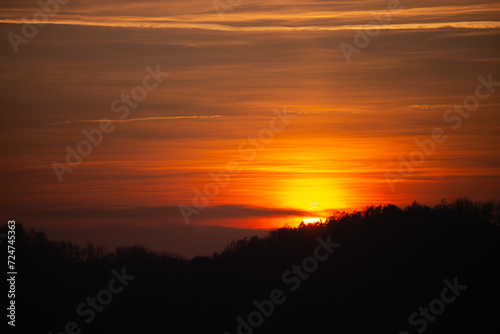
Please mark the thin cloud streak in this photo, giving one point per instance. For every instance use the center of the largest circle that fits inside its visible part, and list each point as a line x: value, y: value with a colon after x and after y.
x: 221, y: 27
x: 259, y: 13
x: 157, y: 118
x: 162, y: 212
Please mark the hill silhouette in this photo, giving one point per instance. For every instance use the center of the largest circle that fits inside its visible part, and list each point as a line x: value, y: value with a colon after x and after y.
x: 367, y: 271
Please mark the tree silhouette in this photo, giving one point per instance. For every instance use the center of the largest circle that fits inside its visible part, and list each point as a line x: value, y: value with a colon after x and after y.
x: 392, y: 262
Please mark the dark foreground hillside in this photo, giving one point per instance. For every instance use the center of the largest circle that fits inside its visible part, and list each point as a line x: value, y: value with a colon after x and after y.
x: 384, y: 270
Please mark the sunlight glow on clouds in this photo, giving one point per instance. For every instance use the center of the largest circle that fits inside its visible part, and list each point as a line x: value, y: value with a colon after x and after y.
x: 353, y: 120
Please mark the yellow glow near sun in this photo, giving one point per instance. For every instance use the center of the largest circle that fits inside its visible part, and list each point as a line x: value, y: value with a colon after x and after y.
x: 312, y: 220
x: 314, y: 195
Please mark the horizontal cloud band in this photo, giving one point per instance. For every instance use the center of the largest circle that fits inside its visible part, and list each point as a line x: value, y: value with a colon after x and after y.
x: 220, y: 27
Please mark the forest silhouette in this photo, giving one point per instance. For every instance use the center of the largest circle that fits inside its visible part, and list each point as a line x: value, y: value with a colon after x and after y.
x: 390, y: 262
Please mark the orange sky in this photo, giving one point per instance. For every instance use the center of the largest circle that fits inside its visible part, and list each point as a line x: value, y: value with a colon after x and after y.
x: 350, y: 124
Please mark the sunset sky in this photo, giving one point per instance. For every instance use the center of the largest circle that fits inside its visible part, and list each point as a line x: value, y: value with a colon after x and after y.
x: 349, y: 122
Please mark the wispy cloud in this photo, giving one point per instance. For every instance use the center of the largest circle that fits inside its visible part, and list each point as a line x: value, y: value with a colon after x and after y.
x: 165, y: 212
x: 144, y: 119
x: 146, y: 23
x: 442, y: 106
